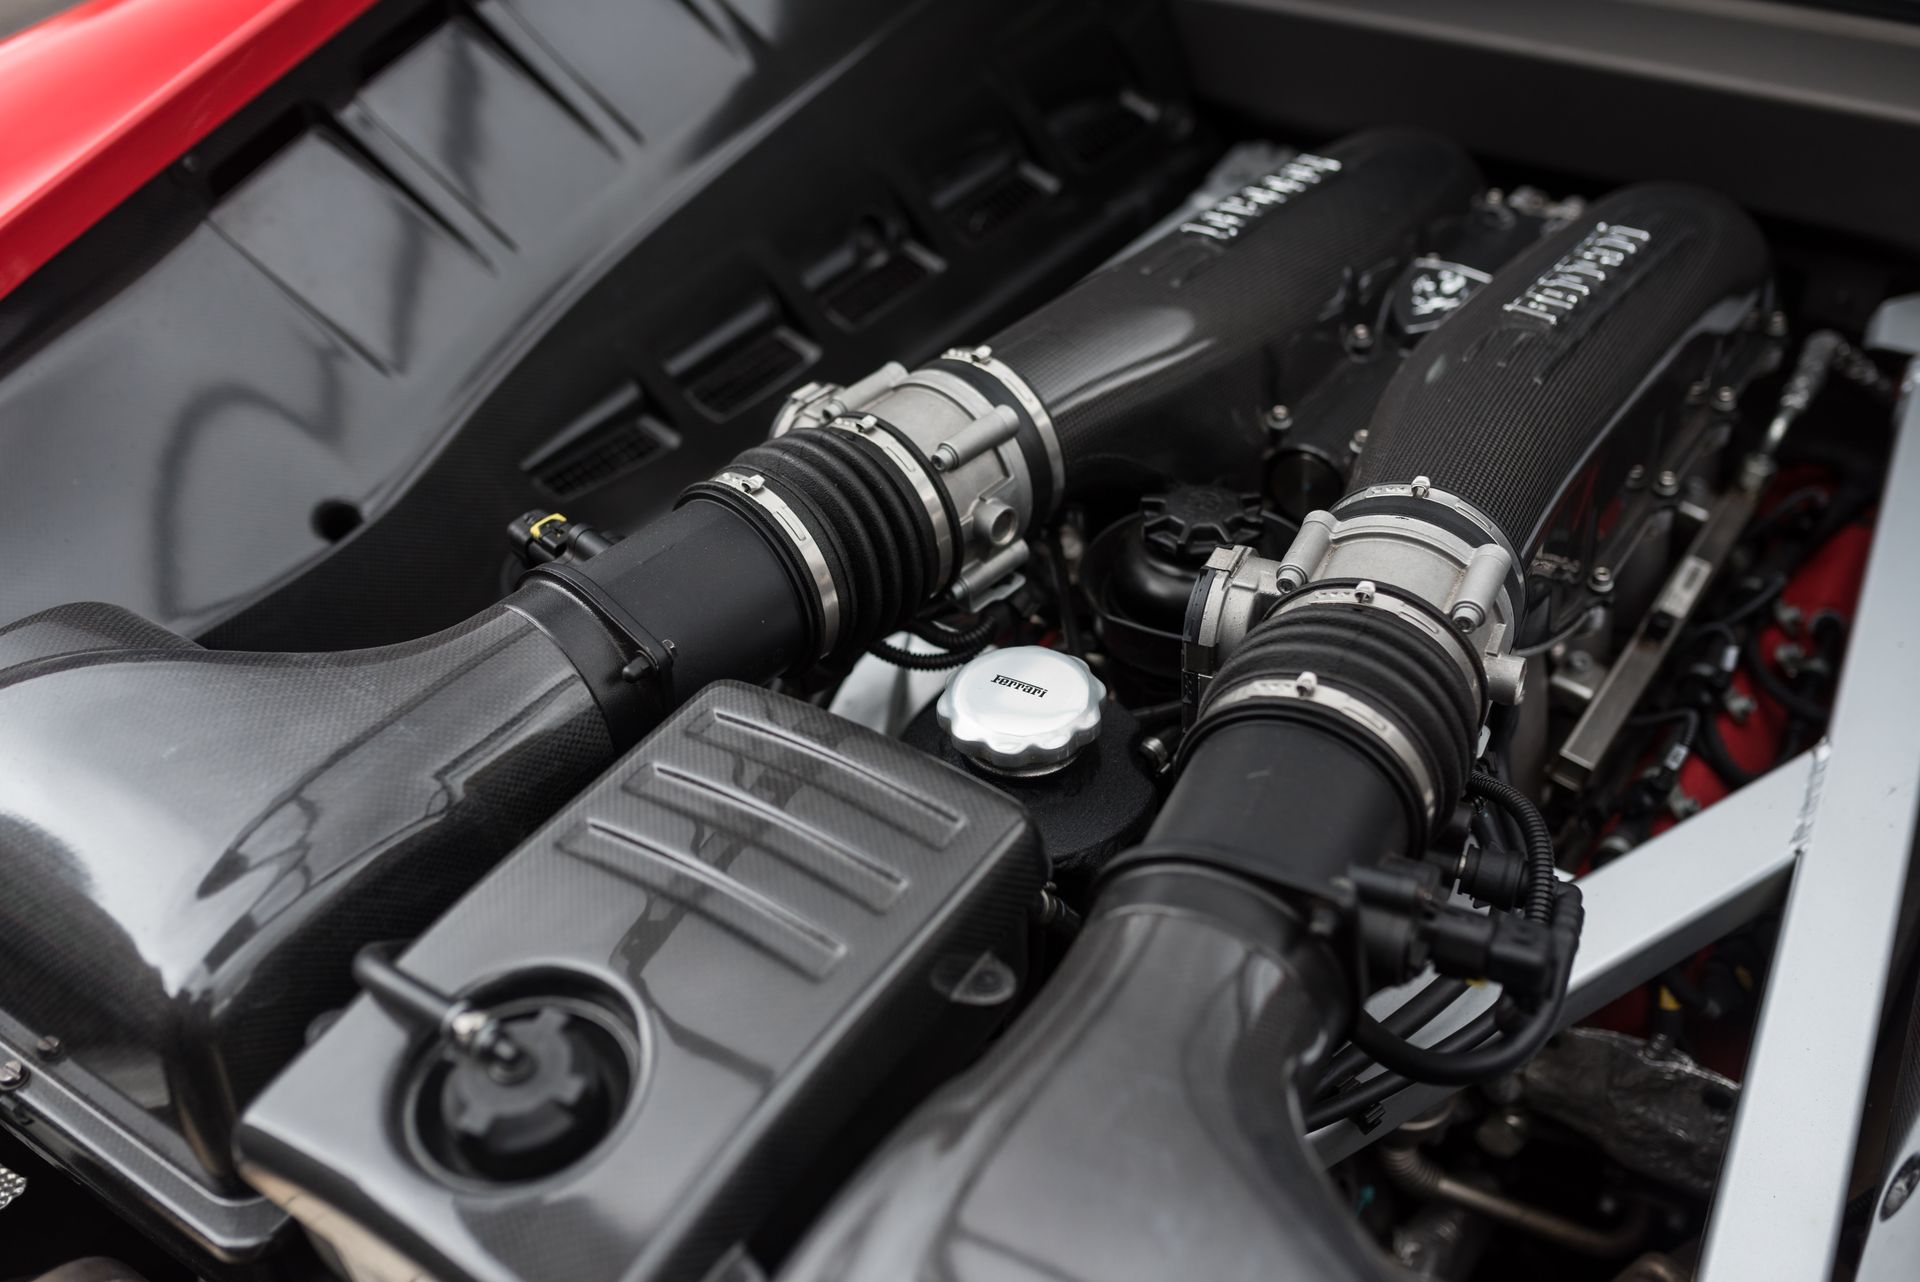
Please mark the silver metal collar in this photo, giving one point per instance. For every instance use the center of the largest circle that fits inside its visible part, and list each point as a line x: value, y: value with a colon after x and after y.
x: 983, y: 359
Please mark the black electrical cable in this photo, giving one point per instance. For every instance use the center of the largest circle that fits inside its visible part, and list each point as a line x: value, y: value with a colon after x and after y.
x: 1712, y: 749
x: 1372, y: 1037
x: 1378, y: 1089
x: 1587, y: 622
x: 1063, y: 596
x: 1464, y: 1067
x: 948, y: 638
x: 958, y: 645
x: 1409, y: 1017
x: 1450, y: 1065
x: 1539, y: 839
x: 917, y: 661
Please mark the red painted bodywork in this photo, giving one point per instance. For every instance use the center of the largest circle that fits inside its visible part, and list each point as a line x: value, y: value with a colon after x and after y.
x: 97, y: 100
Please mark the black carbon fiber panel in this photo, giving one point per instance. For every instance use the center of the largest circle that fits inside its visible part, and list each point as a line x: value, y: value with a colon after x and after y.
x: 1503, y: 406
x: 780, y: 902
x: 1165, y: 362
x: 193, y: 843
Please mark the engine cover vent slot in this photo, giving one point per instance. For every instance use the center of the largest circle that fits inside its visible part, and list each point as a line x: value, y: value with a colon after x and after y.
x: 755, y: 351
x: 874, y: 264
x: 614, y: 438
x: 990, y: 182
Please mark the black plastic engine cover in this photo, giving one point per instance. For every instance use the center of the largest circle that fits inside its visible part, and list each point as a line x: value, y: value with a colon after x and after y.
x: 774, y: 907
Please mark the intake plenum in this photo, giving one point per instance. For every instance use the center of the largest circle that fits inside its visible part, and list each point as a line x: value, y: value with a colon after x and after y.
x: 1166, y: 362
x: 1509, y: 401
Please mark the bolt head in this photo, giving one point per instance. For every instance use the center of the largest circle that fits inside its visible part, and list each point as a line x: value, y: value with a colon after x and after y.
x: 1361, y: 336
x: 1279, y: 418
x: 1724, y: 398
x: 13, y: 1075
x: 1667, y: 484
x: 49, y: 1047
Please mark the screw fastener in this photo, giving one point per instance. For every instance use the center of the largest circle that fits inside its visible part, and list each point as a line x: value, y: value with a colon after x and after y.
x: 13, y: 1075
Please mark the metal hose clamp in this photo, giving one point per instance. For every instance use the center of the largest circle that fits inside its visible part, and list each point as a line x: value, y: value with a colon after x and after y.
x: 755, y: 488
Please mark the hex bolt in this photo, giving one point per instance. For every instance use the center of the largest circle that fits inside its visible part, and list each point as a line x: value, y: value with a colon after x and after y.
x: 1154, y: 751
x: 13, y: 1075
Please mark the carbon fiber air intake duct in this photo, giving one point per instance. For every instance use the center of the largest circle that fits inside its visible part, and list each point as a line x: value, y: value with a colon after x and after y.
x: 280, y: 810
x: 1153, y: 1088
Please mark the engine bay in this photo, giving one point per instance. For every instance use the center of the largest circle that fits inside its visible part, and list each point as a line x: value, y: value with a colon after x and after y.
x: 1097, y: 688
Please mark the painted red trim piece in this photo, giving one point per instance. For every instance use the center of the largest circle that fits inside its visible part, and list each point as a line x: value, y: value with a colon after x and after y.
x: 97, y: 100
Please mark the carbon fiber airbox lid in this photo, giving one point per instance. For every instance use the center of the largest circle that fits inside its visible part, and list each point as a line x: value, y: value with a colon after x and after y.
x: 769, y: 907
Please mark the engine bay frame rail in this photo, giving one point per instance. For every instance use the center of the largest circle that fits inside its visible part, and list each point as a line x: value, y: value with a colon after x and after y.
x: 1783, y: 1186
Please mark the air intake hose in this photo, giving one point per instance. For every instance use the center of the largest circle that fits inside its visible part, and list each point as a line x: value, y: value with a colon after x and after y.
x: 1152, y: 1091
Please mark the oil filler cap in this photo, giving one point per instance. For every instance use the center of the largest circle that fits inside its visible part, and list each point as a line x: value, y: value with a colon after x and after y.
x: 1025, y: 710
